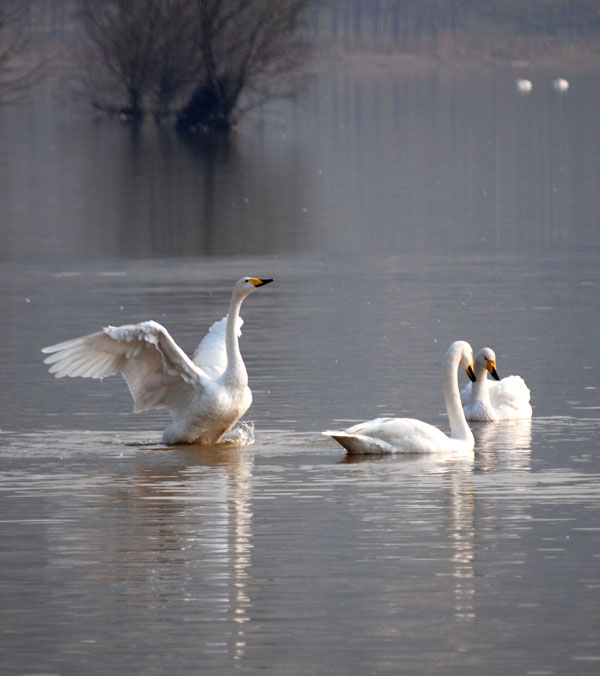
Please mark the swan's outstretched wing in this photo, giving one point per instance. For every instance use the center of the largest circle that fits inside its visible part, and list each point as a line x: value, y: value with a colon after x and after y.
x: 211, y: 355
x: 155, y: 368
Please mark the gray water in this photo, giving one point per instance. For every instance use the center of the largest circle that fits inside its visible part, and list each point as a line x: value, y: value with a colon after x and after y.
x: 397, y: 212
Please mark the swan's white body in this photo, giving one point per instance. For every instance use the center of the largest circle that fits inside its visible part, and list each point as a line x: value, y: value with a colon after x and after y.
x: 205, y: 395
x: 489, y: 401
x: 524, y: 86
x: 407, y: 435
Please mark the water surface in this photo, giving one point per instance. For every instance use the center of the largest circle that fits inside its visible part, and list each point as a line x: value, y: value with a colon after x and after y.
x: 396, y: 215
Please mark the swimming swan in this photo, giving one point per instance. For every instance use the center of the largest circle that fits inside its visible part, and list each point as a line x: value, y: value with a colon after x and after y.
x: 205, y: 395
x: 489, y: 401
x: 407, y: 435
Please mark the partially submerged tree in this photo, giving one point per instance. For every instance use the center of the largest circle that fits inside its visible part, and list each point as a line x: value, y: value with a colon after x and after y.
x: 133, y: 56
x: 200, y: 62
x: 248, y: 47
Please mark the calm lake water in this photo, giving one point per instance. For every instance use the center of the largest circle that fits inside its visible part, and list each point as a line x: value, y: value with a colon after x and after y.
x: 397, y: 212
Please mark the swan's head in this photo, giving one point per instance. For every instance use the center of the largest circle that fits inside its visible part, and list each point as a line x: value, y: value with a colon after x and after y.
x: 462, y: 352
x: 247, y: 285
x: 485, y: 360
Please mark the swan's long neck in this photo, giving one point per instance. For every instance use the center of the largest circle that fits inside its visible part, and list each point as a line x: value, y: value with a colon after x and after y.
x: 458, y: 423
x: 236, y: 368
x: 480, y: 388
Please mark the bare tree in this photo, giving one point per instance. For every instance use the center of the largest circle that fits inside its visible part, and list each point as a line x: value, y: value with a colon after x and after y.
x: 248, y: 47
x: 193, y: 60
x: 131, y: 60
x: 176, y: 61
x: 19, y: 69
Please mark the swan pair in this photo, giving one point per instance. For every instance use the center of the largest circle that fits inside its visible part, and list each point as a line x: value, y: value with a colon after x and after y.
x: 482, y: 401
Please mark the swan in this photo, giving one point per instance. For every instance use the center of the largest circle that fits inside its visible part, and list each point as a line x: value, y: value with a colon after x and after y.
x: 489, y: 401
x: 407, y: 435
x: 524, y: 86
x: 560, y: 84
x: 205, y: 395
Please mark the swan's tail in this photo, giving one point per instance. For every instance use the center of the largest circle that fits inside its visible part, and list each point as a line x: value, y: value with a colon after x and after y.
x: 357, y: 443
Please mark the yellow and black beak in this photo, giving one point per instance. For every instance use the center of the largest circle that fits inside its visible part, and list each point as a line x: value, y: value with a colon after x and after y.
x: 259, y: 282
x: 491, y: 367
x: 471, y: 373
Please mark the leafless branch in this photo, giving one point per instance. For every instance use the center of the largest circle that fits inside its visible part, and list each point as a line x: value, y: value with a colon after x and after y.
x: 188, y: 59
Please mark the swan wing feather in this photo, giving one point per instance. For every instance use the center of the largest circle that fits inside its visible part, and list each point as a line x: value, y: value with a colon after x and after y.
x: 358, y: 443
x: 510, y: 397
x: 466, y: 394
x: 211, y: 354
x: 157, y: 371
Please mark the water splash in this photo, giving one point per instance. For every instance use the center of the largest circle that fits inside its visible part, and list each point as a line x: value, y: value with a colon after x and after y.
x: 241, y: 435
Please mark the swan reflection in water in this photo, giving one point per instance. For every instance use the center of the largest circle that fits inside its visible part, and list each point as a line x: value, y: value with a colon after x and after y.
x: 193, y: 508
x: 457, y: 521
x: 504, y: 445
x: 469, y: 517
x: 498, y: 446
x: 461, y: 531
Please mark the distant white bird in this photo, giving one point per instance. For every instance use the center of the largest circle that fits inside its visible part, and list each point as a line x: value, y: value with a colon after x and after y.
x: 560, y: 84
x: 407, y: 435
x: 205, y: 396
x: 524, y: 86
x: 488, y: 401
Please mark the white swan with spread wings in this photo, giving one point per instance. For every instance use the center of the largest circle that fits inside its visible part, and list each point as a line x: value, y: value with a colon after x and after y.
x: 205, y: 395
